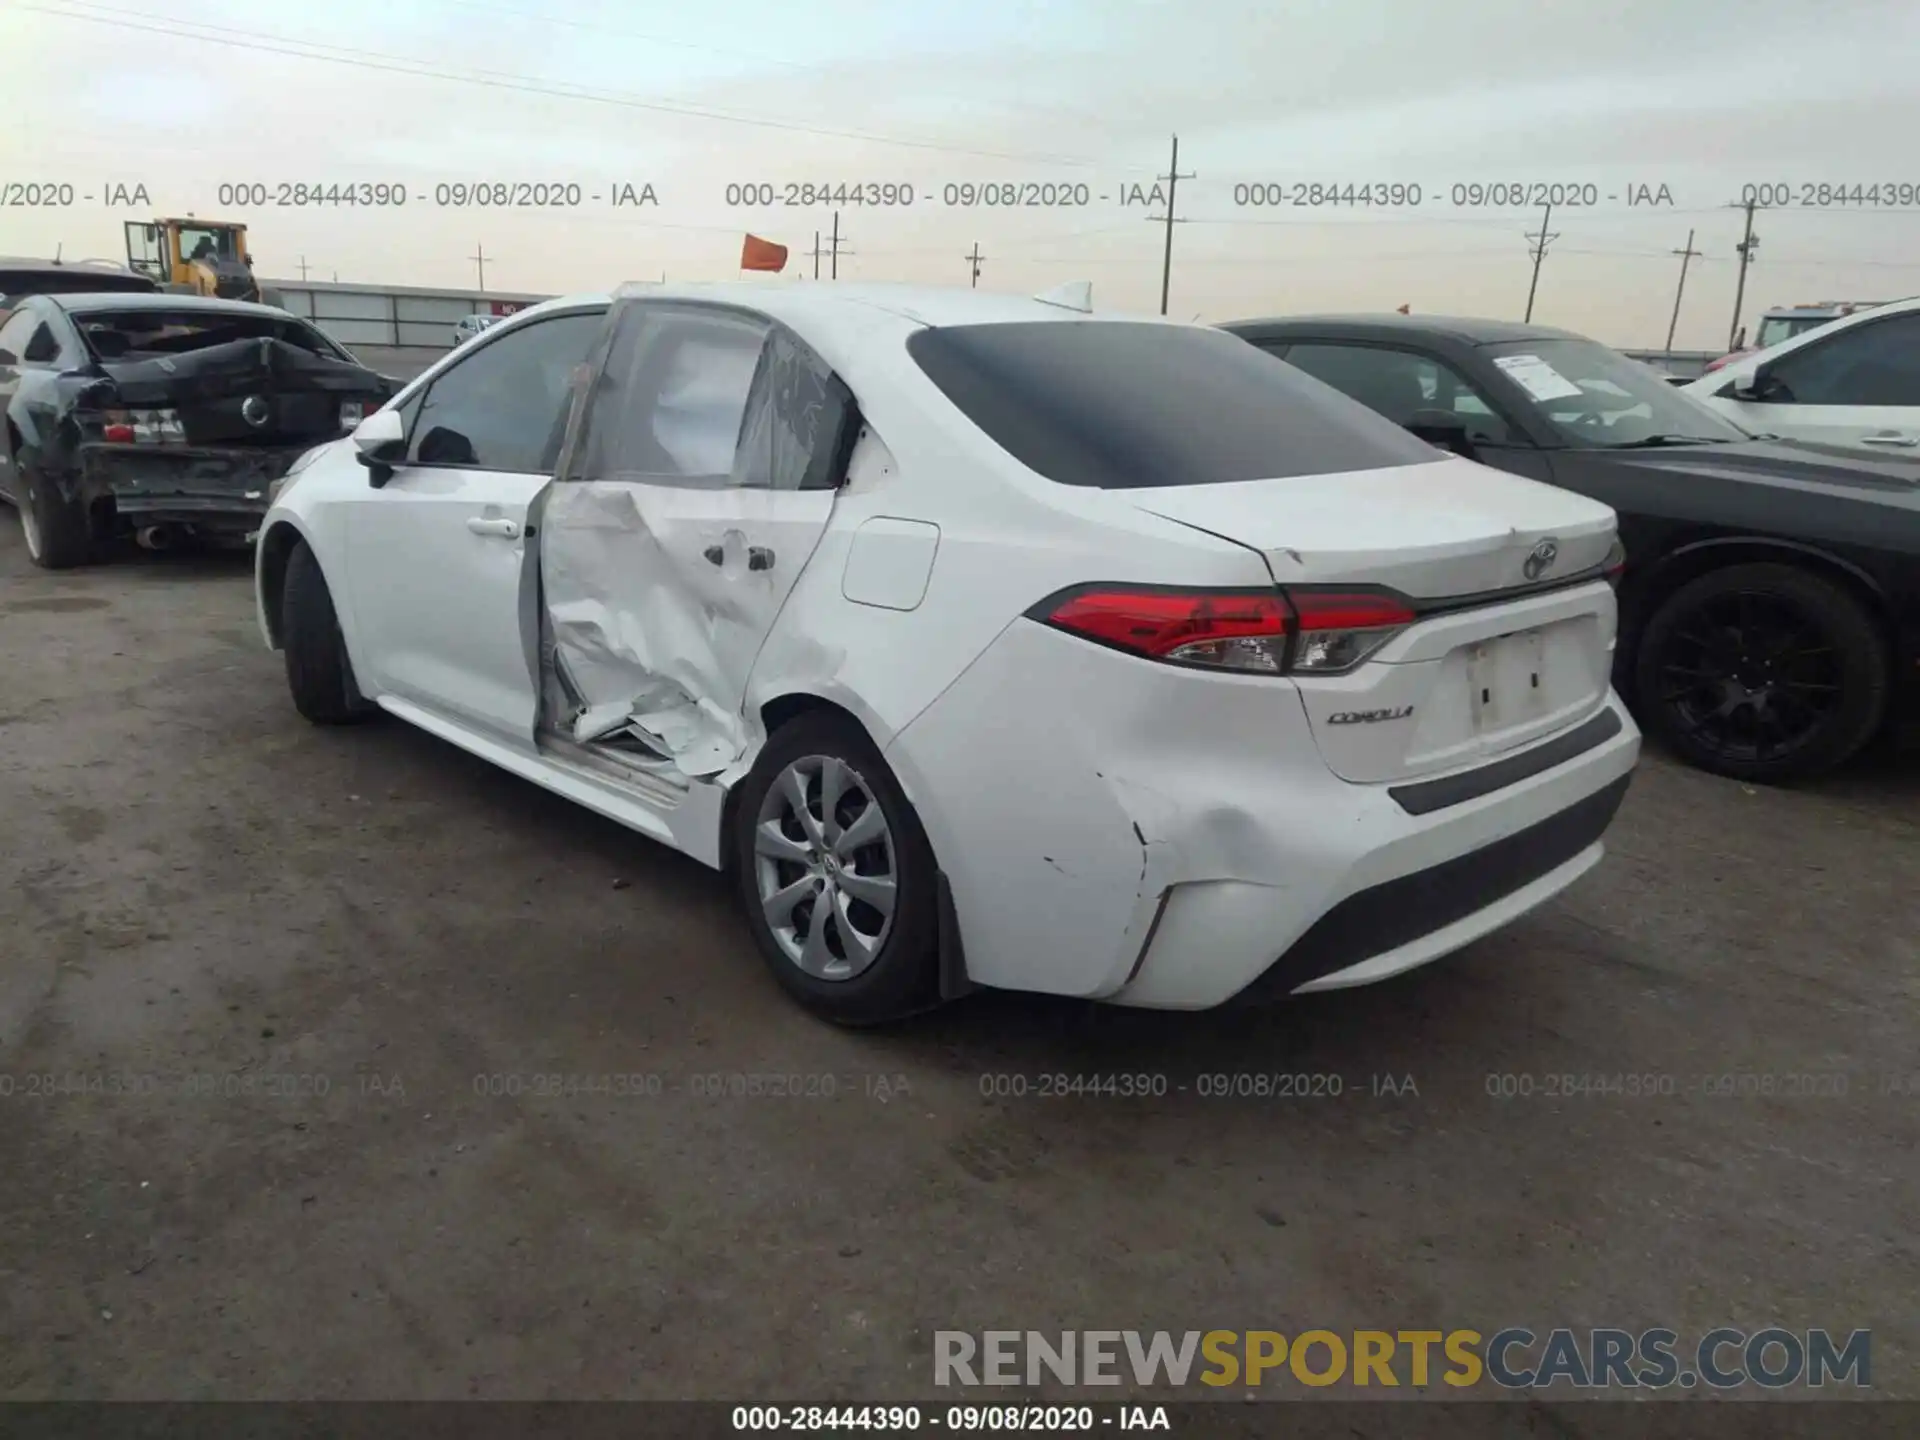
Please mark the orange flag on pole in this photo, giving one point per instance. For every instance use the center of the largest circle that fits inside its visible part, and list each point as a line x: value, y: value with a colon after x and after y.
x: 758, y: 254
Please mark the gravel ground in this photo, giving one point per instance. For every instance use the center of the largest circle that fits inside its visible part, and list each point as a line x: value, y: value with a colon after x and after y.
x: 200, y: 892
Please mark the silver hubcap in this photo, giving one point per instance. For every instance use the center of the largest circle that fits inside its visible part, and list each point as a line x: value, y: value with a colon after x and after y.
x: 825, y: 865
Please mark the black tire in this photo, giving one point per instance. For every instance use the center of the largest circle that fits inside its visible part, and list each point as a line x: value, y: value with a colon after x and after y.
x: 1763, y: 672
x: 903, y: 977
x: 318, y: 671
x: 56, y: 529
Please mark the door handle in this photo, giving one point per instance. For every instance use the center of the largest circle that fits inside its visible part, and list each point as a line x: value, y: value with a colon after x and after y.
x: 759, y: 558
x: 505, y: 529
x: 1890, y: 439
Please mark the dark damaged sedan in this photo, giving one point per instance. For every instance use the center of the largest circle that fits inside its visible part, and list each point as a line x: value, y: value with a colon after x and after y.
x: 161, y: 416
x: 1770, y: 607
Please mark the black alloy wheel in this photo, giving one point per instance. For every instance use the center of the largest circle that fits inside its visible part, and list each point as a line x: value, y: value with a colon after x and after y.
x: 1763, y: 672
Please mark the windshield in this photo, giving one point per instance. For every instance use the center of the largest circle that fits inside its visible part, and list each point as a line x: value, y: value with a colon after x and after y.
x: 1779, y: 328
x: 207, y: 244
x: 143, y: 334
x: 1596, y: 398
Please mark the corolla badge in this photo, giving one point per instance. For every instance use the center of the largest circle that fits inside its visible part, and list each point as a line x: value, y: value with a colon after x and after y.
x: 1542, y: 558
x: 1369, y: 717
x: 254, y: 411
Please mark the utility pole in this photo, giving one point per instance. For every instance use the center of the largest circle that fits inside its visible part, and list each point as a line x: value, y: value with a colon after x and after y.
x: 1173, y: 177
x: 1686, y: 258
x: 816, y: 254
x: 479, y: 258
x: 303, y: 267
x: 1749, y: 242
x: 834, y: 254
x: 1538, y: 250
x: 974, y: 260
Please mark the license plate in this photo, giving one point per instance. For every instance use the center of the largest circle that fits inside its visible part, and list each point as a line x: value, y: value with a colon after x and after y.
x: 1508, y: 681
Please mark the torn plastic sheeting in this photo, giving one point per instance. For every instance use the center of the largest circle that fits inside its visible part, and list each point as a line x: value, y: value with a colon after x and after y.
x: 782, y: 444
x: 630, y: 637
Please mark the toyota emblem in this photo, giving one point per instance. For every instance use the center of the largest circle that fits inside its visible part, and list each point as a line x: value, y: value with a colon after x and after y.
x: 1541, y: 560
x: 254, y: 411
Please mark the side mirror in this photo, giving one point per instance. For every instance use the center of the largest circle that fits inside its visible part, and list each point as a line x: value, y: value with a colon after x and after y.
x: 1443, y: 430
x: 1756, y: 387
x: 380, y: 443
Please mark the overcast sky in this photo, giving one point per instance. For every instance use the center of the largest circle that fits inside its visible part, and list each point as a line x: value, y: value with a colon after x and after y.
x: 1701, y: 97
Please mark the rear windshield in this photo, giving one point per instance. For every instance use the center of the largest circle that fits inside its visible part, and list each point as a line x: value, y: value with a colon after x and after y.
x: 1116, y: 405
x: 140, y: 334
x: 19, y: 283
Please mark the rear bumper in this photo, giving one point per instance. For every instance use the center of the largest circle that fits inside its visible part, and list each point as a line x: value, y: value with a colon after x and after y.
x: 227, y: 489
x: 1407, y: 921
x: 1149, y: 836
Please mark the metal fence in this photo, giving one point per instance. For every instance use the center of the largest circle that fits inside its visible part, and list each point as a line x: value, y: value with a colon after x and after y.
x: 397, y: 316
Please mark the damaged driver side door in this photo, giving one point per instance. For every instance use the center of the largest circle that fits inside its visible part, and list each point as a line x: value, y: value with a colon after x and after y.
x: 437, y: 574
x: 695, y: 486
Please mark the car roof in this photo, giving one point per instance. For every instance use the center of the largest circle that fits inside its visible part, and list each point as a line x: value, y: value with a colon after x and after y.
x: 921, y: 305
x: 40, y: 264
x: 91, y: 301
x: 1465, y: 329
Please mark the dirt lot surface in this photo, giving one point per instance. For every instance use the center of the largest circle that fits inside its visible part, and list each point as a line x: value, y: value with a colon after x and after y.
x: 205, y: 900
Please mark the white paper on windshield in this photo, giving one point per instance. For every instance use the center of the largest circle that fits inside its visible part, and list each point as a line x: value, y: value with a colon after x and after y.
x: 1537, y: 377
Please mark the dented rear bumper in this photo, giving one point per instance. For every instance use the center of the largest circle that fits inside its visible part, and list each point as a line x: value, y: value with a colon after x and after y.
x: 210, y: 488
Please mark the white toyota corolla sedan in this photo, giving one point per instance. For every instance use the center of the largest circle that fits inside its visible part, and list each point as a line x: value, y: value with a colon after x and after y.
x: 986, y: 641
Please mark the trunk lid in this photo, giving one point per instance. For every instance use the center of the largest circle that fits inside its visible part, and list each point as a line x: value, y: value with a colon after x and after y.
x: 253, y: 392
x: 1492, y: 663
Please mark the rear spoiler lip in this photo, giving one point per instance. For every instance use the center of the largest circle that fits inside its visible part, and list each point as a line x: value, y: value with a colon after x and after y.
x: 1445, y: 604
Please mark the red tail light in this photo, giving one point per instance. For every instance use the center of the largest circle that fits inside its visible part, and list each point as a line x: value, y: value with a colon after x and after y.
x: 1341, y: 628
x: 117, y: 434
x: 1232, y: 630
x: 1615, y: 564
x: 1270, y: 632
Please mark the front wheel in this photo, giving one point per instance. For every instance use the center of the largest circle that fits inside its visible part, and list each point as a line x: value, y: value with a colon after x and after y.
x: 318, y: 671
x: 837, y: 876
x: 1762, y: 672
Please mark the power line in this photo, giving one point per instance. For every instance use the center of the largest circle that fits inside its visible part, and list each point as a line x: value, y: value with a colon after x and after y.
x: 800, y: 66
x: 500, y: 80
x: 1538, y: 249
x: 1173, y: 177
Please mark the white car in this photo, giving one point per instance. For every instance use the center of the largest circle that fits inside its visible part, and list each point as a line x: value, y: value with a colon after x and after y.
x: 987, y: 641
x: 1853, y: 382
x: 469, y: 326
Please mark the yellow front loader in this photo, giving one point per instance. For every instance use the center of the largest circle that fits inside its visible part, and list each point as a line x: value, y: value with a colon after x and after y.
x: 194, y: 257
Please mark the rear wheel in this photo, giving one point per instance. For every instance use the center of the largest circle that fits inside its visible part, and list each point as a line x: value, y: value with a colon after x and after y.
x: 55, y: 528
x: 837, y: 876
x: 1762, y: 672
x: 318, y: 671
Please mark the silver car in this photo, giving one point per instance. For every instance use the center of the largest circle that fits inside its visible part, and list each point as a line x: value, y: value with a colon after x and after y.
x: 472, y: 325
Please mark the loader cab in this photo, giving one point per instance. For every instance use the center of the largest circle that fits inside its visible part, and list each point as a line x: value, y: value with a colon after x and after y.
x: 191, y: 256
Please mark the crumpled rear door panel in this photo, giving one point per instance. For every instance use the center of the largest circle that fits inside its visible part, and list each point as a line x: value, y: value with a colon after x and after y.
x: 663, y: 572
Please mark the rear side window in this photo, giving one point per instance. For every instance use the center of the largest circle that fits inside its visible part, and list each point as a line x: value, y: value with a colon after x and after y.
x: 1114, y: 405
